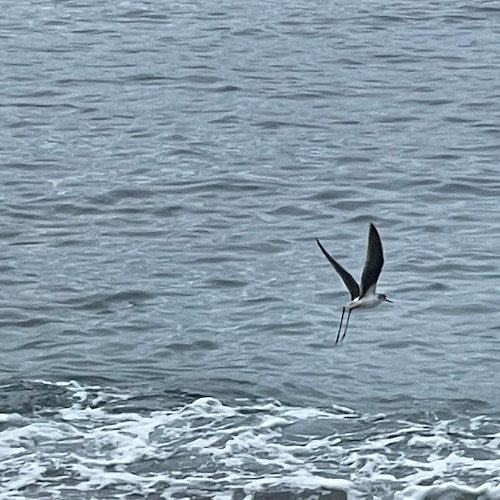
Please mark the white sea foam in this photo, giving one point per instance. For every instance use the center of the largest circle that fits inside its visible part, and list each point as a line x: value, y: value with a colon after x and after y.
x: 10, y: 418
x: 98, y: 444
x: 450, y: 491
x: 299, y: 480
x: 432, y: 442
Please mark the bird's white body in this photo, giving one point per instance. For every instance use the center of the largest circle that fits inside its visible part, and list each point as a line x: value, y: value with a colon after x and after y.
x: 369, y: 301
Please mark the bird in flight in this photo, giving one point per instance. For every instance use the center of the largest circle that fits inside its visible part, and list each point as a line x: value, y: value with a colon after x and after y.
x: 366, y: 296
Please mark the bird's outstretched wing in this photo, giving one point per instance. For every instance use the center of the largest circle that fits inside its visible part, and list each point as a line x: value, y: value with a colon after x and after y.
x: 373, y: 264
x: 348, y: 280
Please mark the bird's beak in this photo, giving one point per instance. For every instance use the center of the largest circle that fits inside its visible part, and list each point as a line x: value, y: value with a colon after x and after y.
x: 390, y: 301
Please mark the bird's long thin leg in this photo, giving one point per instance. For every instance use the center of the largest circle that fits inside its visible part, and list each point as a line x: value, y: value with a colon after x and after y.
x: 346, y: 323
x: 340, y: 326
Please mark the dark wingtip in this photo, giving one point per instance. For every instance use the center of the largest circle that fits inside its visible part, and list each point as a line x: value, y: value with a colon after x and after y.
x: 373, y: 229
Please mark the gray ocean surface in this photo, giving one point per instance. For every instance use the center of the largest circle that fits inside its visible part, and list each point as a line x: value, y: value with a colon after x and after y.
x: 167, y: 322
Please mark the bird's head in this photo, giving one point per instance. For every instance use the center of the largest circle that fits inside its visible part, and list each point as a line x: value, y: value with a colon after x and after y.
x: 383, y: 298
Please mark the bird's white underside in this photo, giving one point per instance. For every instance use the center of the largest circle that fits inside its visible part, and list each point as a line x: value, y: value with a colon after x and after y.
x: 368, y: 301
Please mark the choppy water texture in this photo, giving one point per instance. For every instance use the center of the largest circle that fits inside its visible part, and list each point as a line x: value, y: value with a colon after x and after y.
x: 167, y: 321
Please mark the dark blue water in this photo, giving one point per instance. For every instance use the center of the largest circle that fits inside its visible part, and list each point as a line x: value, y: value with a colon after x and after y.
x: 167, y: 320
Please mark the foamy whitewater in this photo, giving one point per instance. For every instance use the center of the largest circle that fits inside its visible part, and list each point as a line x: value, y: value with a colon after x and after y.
x: 95, y: 442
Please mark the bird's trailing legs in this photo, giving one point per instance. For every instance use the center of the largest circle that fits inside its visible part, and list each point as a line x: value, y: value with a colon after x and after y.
x: 346, y: 323
x: 340, y: 326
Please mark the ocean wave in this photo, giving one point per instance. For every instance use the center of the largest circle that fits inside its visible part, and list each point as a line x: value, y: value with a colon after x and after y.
x: 98, y: 442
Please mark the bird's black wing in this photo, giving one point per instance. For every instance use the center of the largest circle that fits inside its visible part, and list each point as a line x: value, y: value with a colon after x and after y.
x: 348, y: 280
x: 374, y: 262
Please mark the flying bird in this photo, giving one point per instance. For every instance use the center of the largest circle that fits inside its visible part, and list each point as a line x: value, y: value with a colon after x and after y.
x: 366, y: 296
